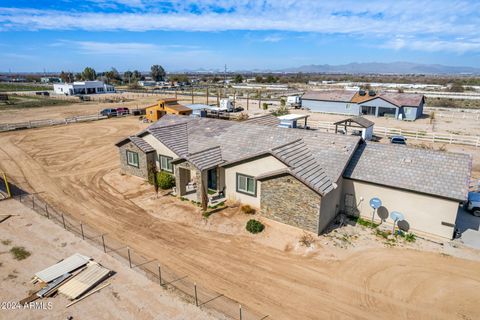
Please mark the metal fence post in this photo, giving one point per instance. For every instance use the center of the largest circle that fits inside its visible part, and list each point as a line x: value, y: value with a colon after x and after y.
x: 81, y: 228
x: 240, y: 310
x: 63, y: 219
x: 129, y: 257
x: 33, y: 201
x: 103, y: 242
x: 46, y: 210
x: 196, y: 298
x: 159, y: 275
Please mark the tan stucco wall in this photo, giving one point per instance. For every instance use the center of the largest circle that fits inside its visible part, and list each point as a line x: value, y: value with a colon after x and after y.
x: 330, y: 206
x: 159, y: 147
x: 423, y: 213
x: 251, y: 168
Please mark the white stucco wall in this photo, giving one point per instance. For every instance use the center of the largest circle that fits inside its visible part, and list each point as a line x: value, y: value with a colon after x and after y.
x: 250, y: 168
x: 423, y: 213
x: 330, y: 206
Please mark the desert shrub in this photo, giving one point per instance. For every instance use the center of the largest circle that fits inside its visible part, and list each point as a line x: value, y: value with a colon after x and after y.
x: 265, y: 106
x: 254, y: 226
x: 20, y: 253
x: 247, y: 209
x: 410, y: 237
x: 363, y: 222
x: 383, y: 234
x: 6, y: 242
x: 165, y: 180
x: 306, y: 240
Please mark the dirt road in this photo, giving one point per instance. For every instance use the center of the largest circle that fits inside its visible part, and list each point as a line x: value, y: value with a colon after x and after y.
x: 70, y: 164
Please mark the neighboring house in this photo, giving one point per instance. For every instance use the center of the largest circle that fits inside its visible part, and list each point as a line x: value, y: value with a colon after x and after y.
x: 50, y: 80
x: 83, y: 87
x: 166, y: 106
x: 403, y: 106
x: 300, y: 177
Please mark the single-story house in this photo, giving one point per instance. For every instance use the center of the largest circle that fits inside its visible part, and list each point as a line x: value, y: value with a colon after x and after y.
x: 402, y: 106
x: 166, y: 106
x: 83, y: 87
x: 303, y: 178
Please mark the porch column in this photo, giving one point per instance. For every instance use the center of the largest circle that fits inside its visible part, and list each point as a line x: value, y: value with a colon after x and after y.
x: 202, y: 187
x: 180, y: 182
x: 376, y: 111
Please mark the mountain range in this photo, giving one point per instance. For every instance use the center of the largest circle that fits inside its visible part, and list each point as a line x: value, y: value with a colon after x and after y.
x: 399, y: 67
x: 384, y: 68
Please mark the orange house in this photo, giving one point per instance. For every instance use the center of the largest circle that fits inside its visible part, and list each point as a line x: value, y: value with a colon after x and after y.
x: 166, y: 106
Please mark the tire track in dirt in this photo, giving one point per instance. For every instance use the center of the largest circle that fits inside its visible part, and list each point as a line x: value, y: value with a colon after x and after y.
x: 283, y: 285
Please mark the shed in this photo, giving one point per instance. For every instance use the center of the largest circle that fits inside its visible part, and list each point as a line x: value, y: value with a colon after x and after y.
x: 291, y: 121
x: 363, y: 125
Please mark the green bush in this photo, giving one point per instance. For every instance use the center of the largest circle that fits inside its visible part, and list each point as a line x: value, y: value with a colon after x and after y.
x: 410, y: 237
x: 254, y: 226
x: 247, y: 209
x: 165, y: 180
x: 265, y: 106
x: 20, y: 253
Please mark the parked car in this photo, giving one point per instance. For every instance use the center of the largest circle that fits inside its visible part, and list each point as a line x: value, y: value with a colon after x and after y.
x: 398, y: 140
x: 109, y: 112
x: 122, y: 111
x: 473, y: 203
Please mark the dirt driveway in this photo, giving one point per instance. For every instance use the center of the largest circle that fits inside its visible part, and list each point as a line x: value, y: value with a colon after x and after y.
x: 72, y: 166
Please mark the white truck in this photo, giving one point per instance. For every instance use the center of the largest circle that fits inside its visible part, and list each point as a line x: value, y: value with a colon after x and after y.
x: 473, y: 203
x: 294, y: 101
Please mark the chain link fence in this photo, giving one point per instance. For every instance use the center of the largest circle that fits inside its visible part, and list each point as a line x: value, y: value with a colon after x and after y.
x: 180, y: 284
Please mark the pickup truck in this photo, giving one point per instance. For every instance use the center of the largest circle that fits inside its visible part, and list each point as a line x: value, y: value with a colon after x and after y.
x: 473, y: 203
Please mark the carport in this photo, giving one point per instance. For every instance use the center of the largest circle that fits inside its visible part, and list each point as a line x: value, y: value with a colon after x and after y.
x: 361, y: 124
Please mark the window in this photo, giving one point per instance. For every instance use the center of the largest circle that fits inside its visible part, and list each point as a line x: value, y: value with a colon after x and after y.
x: 165, y: 163
x: 132, y: 159
x: 246, y: 184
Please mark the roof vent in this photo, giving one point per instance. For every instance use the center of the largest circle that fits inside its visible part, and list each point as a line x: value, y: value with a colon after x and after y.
x: 362, y: 92
x: 371, y: 93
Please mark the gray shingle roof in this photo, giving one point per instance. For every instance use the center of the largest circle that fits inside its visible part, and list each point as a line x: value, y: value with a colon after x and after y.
x: 139, y: 142
x: 304, y: 166
x: 329, y: 95
x: 174, y: 137
x: 206, y: 159
x: 437, y: 173
x: 266, y: 120
x: 240, y: 140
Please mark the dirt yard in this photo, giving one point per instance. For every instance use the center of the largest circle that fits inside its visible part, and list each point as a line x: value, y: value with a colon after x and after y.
x: 130, y: 295
x: 76, y: 167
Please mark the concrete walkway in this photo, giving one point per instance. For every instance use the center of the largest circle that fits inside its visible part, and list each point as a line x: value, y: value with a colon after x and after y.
x: 469, y: 227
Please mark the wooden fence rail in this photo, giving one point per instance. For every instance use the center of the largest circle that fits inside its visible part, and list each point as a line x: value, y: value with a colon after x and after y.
x: 415, y: 135
x: 48, y: 122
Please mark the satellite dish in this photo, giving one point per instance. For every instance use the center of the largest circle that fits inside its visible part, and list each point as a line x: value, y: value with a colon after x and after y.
x: 396, y: 216
x: 375, y: 203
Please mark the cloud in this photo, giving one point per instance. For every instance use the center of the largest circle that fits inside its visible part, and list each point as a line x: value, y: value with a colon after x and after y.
x: 377, y: 18
x: 273, y: 38
x: 459, y: 45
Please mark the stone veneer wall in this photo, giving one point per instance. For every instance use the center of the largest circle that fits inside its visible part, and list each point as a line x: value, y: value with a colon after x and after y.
x: 144, y: 159
x: 287, y: 200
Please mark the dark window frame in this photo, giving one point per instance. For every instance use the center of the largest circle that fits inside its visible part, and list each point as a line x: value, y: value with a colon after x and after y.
x: 138, y: 159
x: 254, y: 194
x: 160, y: 163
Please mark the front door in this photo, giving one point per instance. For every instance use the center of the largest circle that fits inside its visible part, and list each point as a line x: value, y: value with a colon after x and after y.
x: 212, y: 179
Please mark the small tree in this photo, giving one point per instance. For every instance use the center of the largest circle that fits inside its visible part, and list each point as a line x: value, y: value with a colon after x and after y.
x: 136, y: 75
x: 259, y: 79
x: 157, y: 72
x: 89, y: 74
x: 66, y: 77
x: 154, y: 177
x: 238, y: 78
x: 457, y: 86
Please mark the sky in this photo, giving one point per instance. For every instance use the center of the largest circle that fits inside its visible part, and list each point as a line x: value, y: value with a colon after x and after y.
x: 38, y: 35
